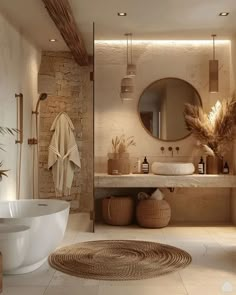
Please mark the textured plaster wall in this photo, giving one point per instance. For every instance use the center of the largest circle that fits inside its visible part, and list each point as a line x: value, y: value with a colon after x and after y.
x: 20, y: 61
x: 70, y: 90
x: 112, y: 117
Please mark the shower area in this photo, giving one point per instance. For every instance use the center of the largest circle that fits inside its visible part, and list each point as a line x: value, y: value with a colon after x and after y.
x: 66, y: 87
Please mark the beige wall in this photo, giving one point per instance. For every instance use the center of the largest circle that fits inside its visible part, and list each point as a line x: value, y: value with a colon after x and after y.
x: 20, y: 60
x: 112, y: 117
x: 70, y: 90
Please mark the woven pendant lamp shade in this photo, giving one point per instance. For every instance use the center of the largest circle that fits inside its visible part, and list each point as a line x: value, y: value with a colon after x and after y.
x: 127, y: 88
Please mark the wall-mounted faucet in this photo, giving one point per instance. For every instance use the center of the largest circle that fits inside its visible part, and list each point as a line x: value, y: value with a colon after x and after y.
x: 170, y: 149
x: 33, y: 141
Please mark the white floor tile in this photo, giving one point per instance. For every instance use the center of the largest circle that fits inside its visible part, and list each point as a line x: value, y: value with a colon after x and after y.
x: 62, y: 279
x: 172, y: 281
x: 72, y: 290
x: 140, y: 290
x: 39, y: 277
x: 212, y: 271
x: 23, y: 291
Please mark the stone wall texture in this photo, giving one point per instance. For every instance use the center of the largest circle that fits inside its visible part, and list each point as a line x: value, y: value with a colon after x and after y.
x: 69, y: 90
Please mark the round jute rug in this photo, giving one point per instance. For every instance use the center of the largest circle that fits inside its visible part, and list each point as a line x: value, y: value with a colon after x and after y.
x: 119, y: 259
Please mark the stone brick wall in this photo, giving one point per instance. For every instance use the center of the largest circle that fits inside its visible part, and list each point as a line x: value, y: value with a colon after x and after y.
x: 70, y: 90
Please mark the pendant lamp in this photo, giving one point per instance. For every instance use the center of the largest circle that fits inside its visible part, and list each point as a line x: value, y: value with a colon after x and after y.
x: 213, y: 71
x: 127, y: 83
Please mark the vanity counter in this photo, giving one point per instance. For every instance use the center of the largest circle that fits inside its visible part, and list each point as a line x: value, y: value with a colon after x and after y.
x: 103, y: 180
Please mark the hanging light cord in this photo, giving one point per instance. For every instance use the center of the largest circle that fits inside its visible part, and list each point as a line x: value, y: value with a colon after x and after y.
x: 129, y: 35
x: 131, y: 49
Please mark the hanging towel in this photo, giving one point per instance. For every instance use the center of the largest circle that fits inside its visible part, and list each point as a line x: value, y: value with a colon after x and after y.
x: 63, y: 155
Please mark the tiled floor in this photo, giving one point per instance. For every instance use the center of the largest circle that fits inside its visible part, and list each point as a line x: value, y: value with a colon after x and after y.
x: 212, y: 272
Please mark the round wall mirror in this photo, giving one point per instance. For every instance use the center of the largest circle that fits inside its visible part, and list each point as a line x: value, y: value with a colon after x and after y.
x: 161, y: 107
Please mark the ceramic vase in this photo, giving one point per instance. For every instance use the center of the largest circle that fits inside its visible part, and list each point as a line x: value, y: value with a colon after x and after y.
x: 214, y: 165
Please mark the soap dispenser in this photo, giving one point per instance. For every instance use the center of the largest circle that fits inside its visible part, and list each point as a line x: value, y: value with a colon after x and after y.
x: 226, y: 168
x: 201, y: 166
x: 145, y: 166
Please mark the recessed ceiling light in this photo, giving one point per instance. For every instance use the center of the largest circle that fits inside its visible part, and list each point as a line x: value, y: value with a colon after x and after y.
x: 224, y: 14
x: 122, y: 13
x: 53, y: 40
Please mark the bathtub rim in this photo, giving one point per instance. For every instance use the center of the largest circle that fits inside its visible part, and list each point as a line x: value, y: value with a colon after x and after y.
x: 67, y: 207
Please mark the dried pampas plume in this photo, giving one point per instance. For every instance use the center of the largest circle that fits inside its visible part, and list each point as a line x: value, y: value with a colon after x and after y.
x: 121, y: 144
x: 215, y: 130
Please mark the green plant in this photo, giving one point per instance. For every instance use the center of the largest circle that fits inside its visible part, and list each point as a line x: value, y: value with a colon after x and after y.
x: 4, y: 131
x: 215, y: 130
x: 2, y: 172
x: 121, y: 144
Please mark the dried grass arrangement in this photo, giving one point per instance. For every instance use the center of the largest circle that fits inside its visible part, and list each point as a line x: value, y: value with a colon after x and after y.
x: 119, y: 162
x: 121, y: 144
x: 215, y: 130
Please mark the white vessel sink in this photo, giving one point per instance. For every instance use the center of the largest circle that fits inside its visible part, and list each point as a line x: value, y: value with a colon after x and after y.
x: 173, y: 168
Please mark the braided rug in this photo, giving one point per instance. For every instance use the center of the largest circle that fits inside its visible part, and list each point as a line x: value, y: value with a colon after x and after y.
x: 119, y: 259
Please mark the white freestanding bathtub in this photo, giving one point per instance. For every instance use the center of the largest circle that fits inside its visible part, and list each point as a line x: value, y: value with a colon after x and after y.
x: 46, y: 221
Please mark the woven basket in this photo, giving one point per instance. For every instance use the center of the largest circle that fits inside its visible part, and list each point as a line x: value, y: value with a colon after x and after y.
x: 118, y: 210
x: 153, y: 213
x: 118, y: 162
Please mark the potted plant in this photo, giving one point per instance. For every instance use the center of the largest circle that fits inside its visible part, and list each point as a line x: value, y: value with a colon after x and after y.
x: 3, y: 131
x: 215, y: 130
x: 119, y: 162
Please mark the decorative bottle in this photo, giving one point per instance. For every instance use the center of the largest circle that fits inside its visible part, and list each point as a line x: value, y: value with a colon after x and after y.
x: 201, y: 166
x: 145, y: 166
x: 137, y: 166
x: 226, y: 168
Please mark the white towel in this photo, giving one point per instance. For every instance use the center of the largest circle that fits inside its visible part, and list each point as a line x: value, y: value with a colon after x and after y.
x: 63, y: 153
x: 157, y: 195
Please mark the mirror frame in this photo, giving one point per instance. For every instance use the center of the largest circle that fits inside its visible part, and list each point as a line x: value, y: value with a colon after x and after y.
x: 165, y: 140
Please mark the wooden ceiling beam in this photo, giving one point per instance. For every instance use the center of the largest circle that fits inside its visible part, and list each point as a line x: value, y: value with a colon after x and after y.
x: 61, y: 13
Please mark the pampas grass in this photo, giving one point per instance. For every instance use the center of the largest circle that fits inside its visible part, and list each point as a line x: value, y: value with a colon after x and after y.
x: 215, y: 130
x: 121, y: 144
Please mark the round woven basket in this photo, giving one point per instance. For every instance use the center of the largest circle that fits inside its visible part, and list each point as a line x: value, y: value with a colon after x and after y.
x: 118, y: 210
x: 153, y: 213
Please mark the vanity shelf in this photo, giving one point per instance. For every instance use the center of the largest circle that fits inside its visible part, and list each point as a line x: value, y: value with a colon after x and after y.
x: 103, y: 180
